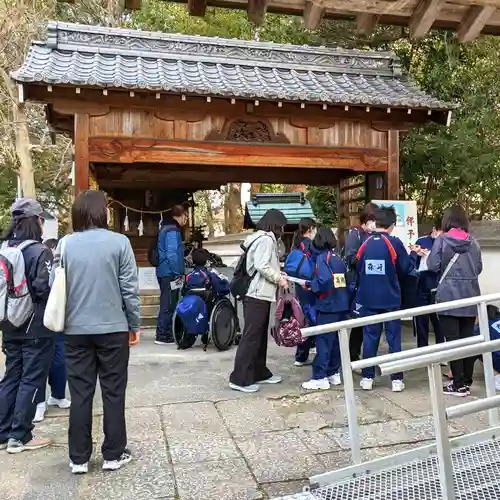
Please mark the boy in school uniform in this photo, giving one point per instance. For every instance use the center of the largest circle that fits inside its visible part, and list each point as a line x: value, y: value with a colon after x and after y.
x: 382, y: 261
x: 202, y: 275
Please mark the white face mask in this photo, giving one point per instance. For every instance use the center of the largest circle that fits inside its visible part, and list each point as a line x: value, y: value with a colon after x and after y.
x: 313, y: 233
x: 370, y: 226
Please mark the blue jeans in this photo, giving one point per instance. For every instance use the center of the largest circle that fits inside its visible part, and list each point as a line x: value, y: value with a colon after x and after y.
x: 57, y: 373
x: 371, y: 341
x: 168, y: 303
x: 421, y: 323
x: 327, y: 360
x: 27, y: 363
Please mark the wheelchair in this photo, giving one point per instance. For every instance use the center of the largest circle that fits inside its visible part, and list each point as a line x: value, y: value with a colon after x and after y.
x: 223, y: 323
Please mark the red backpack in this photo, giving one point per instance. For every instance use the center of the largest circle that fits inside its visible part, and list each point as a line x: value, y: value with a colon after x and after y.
x: 289, y: 320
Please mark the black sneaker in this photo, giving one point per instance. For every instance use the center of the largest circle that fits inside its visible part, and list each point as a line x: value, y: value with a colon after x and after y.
x: 125, y: 458
x: 452, y: 391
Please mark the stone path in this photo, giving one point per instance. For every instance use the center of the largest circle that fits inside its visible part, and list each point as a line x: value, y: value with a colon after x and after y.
x: 195, y: 439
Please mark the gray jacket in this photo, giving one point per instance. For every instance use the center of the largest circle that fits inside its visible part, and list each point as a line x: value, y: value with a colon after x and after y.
x: 263, y: 261
x: 102, y: 284
x: 461, y: 282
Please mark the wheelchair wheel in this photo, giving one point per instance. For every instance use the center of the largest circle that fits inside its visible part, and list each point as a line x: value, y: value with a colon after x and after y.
x: 223, y: 324
x: 182, y: 338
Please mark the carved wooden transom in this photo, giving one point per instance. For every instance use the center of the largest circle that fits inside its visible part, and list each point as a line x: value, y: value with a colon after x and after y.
x: 241, y: 131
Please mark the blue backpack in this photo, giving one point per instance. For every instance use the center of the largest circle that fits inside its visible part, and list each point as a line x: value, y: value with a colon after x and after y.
x: 193, y: 312
x: 299, y: 263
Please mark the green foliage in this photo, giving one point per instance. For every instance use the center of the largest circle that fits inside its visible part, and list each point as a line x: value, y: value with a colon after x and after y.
x: 323, y: 200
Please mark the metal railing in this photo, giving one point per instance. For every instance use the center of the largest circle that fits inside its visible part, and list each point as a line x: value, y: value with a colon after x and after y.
x: 430, y: 357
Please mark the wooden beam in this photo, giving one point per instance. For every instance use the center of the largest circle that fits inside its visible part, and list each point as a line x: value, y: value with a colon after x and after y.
x: 474, y: 22
x: 313, y: 14
x: 365, y: 24
x: 144, y: 150
x: 133, y: 4
x: 424, y: 16
x: 81, y: 142
x: 197, y: 7
x: 393, y: 165
x: 256, y: 11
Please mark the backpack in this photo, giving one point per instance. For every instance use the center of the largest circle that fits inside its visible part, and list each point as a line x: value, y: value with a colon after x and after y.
x: 153, y: 253
x: 193, y: 312
x: 241, y: 280
x: 289, y: 320
x: 299, y: 263
x: 16, y: 302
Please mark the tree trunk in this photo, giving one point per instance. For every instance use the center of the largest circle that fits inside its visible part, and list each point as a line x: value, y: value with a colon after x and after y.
x: 255, y: 189
x: 22, y: 139
x: 210, y: 216
x: 233, y: 217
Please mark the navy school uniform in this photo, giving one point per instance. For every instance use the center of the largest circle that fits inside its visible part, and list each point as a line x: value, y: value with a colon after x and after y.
x: 427, y: 281
x: 494, y: 335
x: 201, y: 276
x: 381, y: 261
x: 307, y: 300
x: 332, y: 304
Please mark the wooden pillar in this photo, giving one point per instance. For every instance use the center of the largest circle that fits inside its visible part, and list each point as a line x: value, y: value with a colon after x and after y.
x: 81, y: 141
x: 392, y: 177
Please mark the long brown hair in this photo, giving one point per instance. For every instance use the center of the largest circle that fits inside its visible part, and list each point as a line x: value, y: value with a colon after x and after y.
x: 89, y: 211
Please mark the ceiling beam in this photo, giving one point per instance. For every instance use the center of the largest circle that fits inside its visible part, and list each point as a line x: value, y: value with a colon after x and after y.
x: 474, y: 22
x: 313, y: 14
x: 197, y: 7
x: 365, y: 24
x: 256, y: 11
x: 424, y: 16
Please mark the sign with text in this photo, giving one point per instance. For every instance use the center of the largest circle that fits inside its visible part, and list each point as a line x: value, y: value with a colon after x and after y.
x: 147, y: 279
x: 406, y: 220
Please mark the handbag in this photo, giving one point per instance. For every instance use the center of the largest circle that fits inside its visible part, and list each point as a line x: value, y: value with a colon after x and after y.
x: 443, y: 276
x: 54, y: 317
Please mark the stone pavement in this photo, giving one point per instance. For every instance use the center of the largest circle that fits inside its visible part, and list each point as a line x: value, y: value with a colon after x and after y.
x: 195, y: 439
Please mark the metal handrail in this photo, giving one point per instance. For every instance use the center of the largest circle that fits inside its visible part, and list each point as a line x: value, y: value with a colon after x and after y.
x: 431, y: 357
x: 400, y: 314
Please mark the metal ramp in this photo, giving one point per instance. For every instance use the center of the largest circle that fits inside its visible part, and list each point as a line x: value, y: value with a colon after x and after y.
x: 462, y: 468
x: 476, y: 474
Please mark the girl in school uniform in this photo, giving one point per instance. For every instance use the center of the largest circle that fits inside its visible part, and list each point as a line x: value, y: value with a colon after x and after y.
x: 332, y: 304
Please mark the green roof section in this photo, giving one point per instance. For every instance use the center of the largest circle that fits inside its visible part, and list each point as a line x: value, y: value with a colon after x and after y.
x: 293, y: 205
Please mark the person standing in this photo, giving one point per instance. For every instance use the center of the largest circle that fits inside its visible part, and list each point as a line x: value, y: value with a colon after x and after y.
x: 170, y: 272
x: 28, y: 349
x: 332, y: 305
x: 250, y: 362
x: 456, y: 258
x: 300, y: 264
x: 427, y: 281
x: 355, y: 238
x: 102, y: 318
x: 382, y: 261
x: 57, y: 373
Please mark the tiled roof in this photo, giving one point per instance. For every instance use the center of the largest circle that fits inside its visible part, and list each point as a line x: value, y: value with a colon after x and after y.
x: 81, y: 55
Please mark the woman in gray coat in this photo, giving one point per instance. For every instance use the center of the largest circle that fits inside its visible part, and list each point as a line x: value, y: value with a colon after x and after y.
x: 456, y: 258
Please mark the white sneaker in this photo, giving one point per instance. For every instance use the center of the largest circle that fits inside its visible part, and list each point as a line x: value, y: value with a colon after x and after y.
x: 366, y: 384
x: 41, y: 408
x: 117, y: 464
x: 244, y: 388
x: 79, y: 469
x: 316, y: 385
x: 335, y: 379
x: 274, y: 379
x: 398, y: 386
x: 64, y: 403
x: 497, y: 382
x: 302, y: 363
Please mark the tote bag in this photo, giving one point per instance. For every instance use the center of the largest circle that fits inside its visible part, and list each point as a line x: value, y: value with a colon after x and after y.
x: 54, y: 317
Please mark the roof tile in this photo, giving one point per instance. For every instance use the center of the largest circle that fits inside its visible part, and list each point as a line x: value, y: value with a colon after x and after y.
x: 124, y: 59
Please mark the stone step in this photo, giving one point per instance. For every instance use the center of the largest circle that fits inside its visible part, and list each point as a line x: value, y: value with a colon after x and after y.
x: 149, y: 311
x: 148, y: 321
x: 150, y: 300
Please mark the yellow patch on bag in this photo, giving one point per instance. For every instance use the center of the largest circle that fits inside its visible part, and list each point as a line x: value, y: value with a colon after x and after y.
x: 339, y: 280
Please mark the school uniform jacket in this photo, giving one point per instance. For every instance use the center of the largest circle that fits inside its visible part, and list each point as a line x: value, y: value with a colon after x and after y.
x: 382, y: 261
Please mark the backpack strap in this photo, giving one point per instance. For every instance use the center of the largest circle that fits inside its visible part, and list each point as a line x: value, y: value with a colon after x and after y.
x: 394, y: 255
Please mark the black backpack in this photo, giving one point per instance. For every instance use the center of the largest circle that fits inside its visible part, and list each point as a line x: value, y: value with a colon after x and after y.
x: 153, y: 254
x: 241, y: 279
